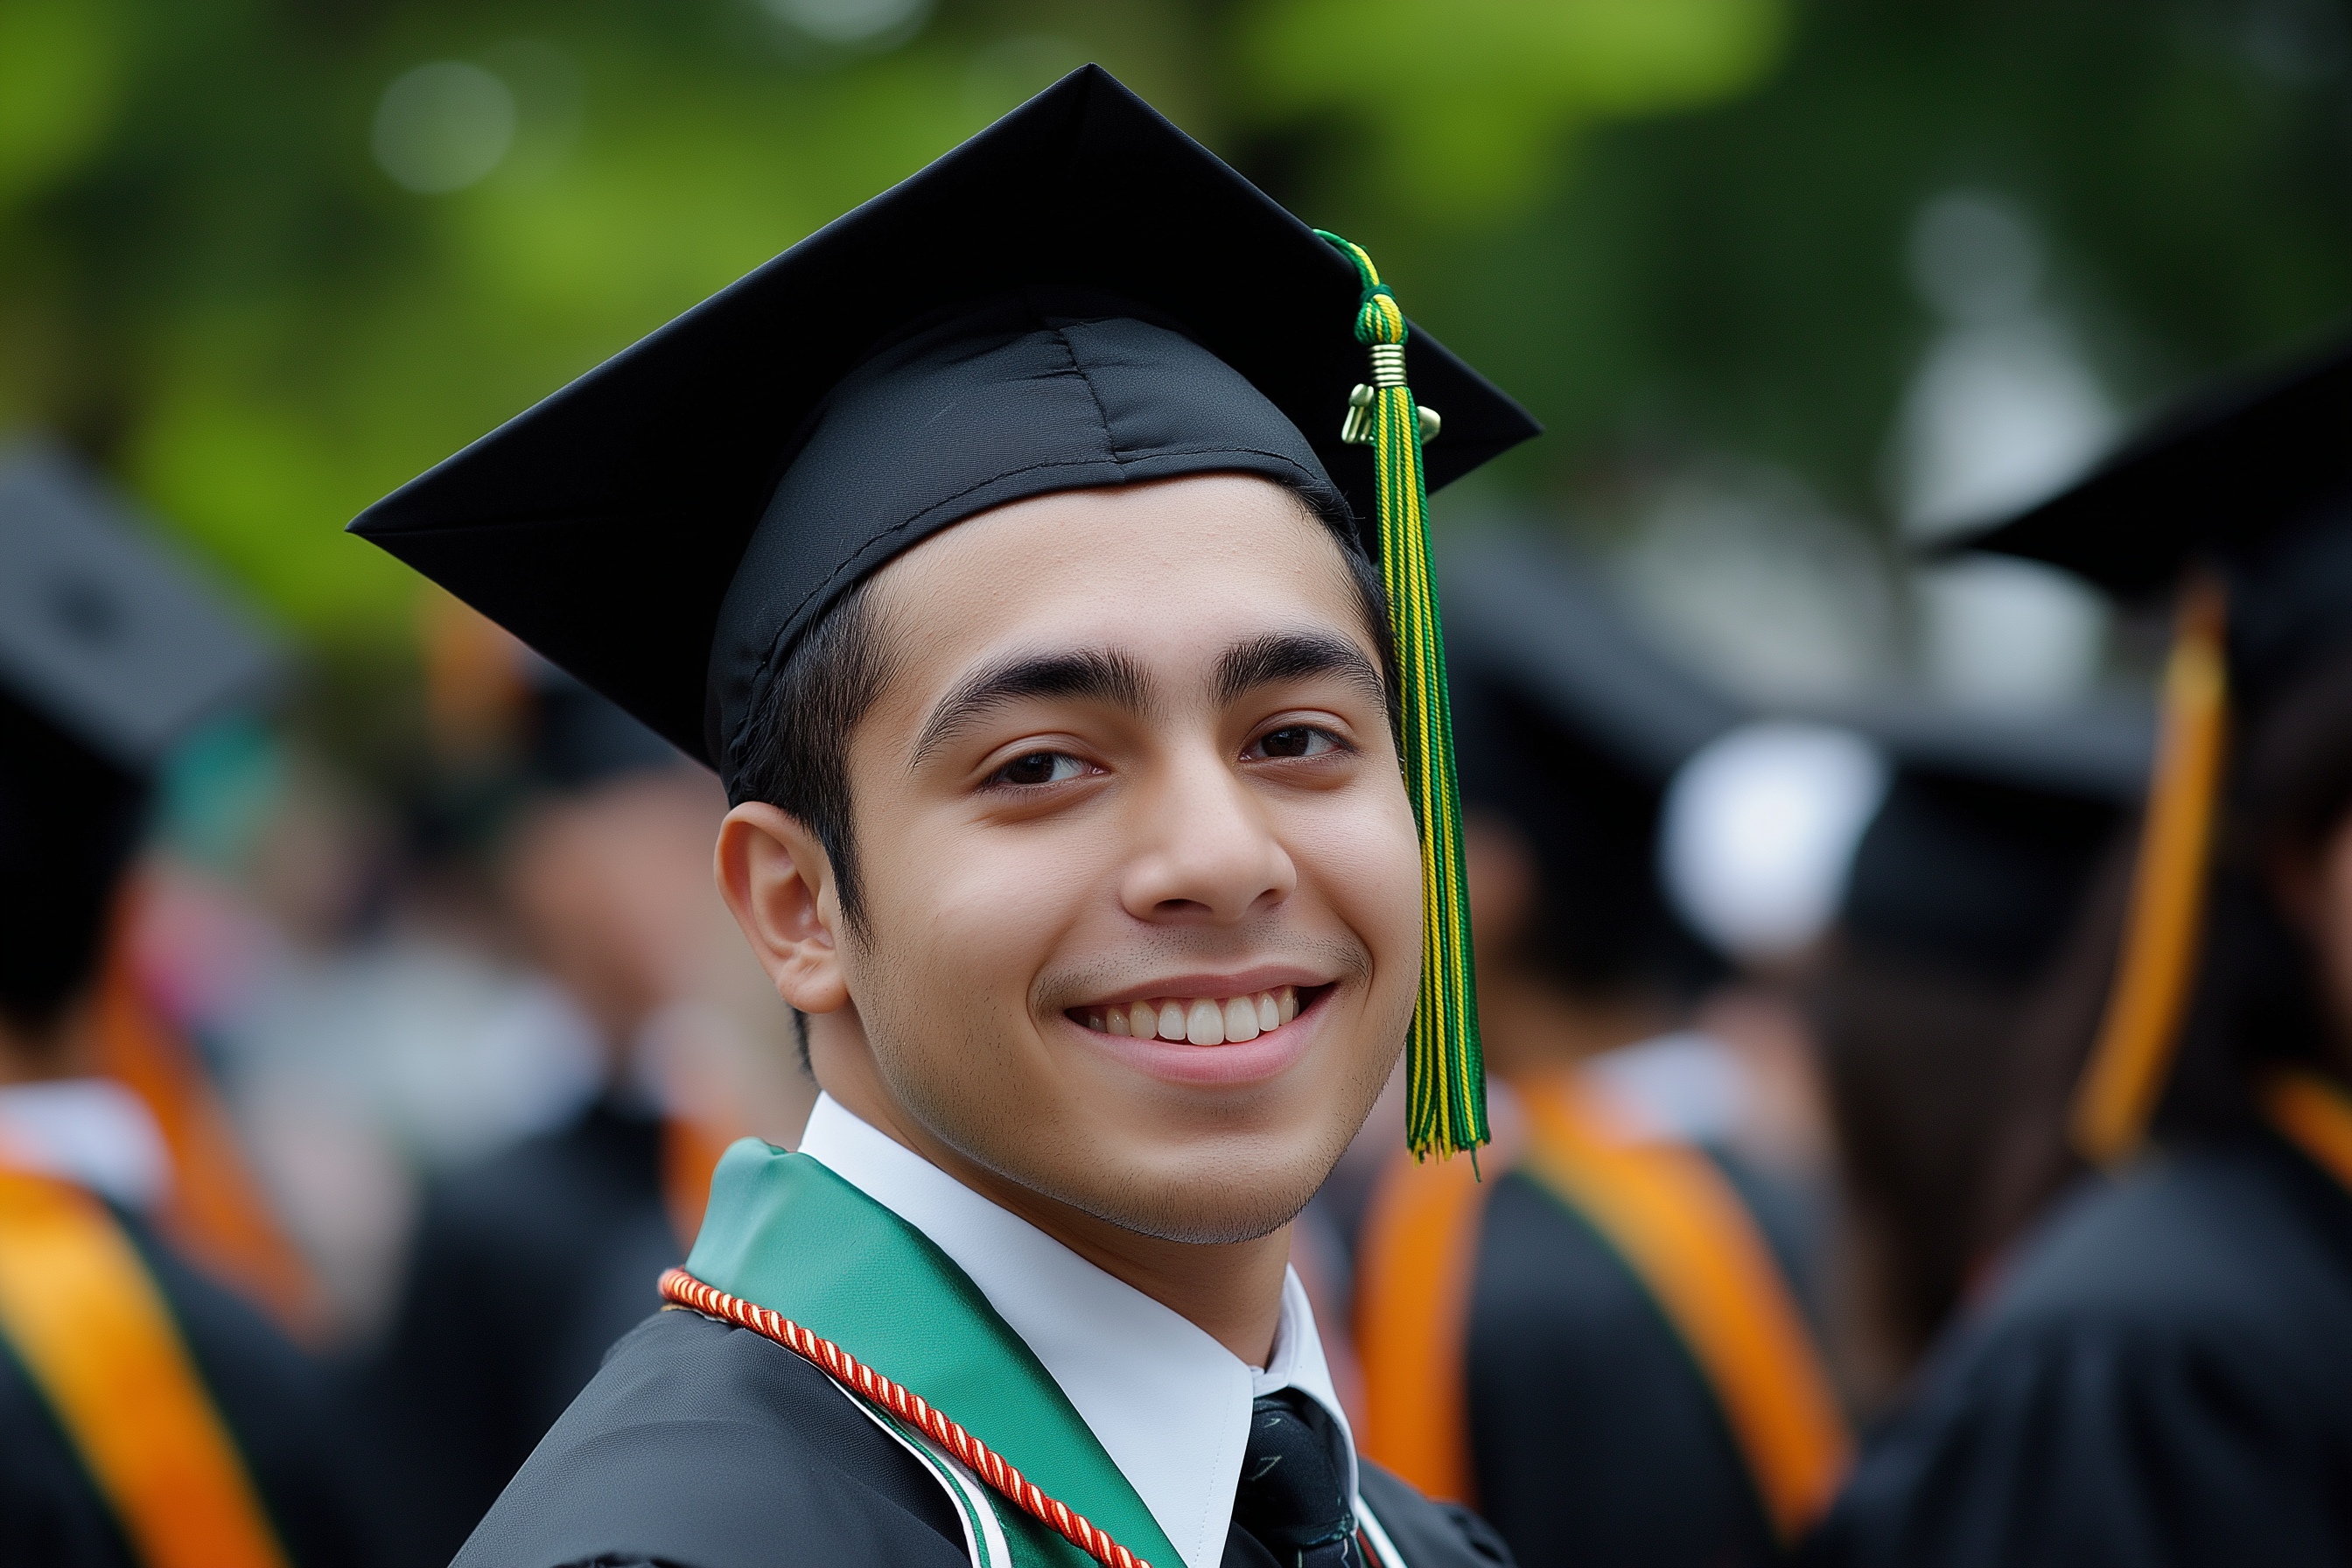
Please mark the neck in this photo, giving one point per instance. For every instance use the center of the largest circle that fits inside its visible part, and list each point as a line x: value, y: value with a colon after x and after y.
x: 1231, y: 1291
x: 1529, y: 1023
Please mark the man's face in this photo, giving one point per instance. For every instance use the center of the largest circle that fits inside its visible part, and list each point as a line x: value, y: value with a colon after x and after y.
x: 1131, y: 777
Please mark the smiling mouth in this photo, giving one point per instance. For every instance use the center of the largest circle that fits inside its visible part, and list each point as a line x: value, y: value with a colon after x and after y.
x: 1199, y: 1020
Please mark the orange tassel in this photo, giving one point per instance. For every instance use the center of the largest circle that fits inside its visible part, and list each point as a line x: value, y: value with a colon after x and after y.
x: 2127, y: 1068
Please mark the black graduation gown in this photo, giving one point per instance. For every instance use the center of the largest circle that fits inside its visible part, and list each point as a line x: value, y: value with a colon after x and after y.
x: 2165, y: 1378
x: 702, y: 1445
x: 277, y: 1404
x: 527, y: 1267
x: 1595, y: 1439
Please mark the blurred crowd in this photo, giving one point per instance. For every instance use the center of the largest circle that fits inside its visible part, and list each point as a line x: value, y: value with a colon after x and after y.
x: 404, y: 1087
x: 1914, y: 979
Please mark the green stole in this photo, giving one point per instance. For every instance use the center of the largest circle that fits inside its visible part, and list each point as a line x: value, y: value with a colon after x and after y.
x: 784, y: 1231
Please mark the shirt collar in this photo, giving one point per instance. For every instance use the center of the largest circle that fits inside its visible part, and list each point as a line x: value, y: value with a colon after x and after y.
x: 90, y: 1131
x: 1168, y: 1404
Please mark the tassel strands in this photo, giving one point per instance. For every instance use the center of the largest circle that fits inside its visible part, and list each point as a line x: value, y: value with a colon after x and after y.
x: 1445, y: 1078
x: 2126, y: 1074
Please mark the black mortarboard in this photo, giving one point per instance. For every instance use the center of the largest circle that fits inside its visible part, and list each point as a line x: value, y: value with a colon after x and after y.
x: 1569, y: 722
x: 577, y: 739
x: 2252, y: 480
x: 109, y: 650
x: 2242, y: 499
x: 103, y: 633
x: 666, y: 525
x: 1979, y: 855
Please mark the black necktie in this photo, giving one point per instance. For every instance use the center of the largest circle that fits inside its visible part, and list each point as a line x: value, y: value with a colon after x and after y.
x: 1292, y: 1504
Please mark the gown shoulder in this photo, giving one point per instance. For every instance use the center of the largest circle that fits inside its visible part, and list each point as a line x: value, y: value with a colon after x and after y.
x: 1428, y: 1534
x: 1595, y: 1437
x: 701, y: 1444
x: 2160, y: 1380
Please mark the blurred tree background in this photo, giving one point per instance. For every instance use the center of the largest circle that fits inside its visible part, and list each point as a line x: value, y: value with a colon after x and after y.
x: 1781, y: 276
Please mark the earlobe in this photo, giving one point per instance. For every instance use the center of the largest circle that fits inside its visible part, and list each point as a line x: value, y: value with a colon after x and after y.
x: 778, y: 884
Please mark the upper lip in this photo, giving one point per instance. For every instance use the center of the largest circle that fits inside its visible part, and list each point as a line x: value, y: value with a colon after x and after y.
x: 1215, y: 987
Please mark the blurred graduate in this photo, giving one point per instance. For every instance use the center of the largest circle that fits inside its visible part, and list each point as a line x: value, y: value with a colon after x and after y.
x: 1602, y: 1345
x: 1008, y: 547
x: 2160, y: 1375
x: 149, y: 1415
x: 528, y: 1264
x: 1982, y: 844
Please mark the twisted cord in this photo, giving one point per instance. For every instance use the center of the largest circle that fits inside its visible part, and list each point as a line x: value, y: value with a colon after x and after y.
x: 686, y: 1290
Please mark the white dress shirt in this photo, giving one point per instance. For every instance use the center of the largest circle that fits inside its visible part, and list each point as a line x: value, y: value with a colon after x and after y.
x: 1168, y: 1404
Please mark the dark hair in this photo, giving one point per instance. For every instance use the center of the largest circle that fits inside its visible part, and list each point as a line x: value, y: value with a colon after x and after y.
x: 69, y: 824
x: 2257, y: 997
x: 1912, y: 1050
x: 2261, y: 996
x: 796, y: 740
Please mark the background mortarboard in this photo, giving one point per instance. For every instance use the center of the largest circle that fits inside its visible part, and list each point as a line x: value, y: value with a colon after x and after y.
x: 1569, y: 722
x: 103, y: 634
x: 604, y: 526
x: 1979, y: 855
x: 109, y: 650
x: 2243, y: 498
x: 577, y: 739
x: 2254, y: 480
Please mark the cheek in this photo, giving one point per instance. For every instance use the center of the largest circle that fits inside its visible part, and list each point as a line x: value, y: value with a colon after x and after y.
x: 1365, y: 858
x: 974, y: 915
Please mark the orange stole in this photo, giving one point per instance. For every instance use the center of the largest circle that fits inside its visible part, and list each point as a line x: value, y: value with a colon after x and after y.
x: 94, y: 1333
x: 216, y: 1213
x: 1674, y: 1221
x: 2316, y: 1116
x: 690, y: 1156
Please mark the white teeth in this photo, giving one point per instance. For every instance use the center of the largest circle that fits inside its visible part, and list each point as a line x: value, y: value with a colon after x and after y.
x: 1201, y: 1020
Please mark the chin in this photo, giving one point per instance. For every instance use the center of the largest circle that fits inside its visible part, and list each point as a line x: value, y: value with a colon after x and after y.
x: 1205, y: 1196
x: 1199, y: 1214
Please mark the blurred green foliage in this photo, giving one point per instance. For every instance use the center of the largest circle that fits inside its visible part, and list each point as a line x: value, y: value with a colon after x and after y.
x: 1672, y: 227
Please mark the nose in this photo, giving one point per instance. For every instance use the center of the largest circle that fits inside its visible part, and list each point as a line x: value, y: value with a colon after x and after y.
x: 1208, y: 855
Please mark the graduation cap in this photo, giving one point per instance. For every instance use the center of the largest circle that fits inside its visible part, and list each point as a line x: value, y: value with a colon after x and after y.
x: 579, y: 740
x: 1080, y: 296
x: 1569, y: 722
x: 103, y: 634
x: 110, y: 650
x: 2240, y: 504
x: 1979, y: 854
x: 1916, y: 827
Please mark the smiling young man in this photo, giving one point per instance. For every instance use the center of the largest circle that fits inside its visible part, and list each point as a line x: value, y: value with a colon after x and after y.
x: 1087, y: 807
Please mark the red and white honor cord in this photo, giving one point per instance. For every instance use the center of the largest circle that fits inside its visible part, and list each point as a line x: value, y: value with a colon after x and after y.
x: 685, y: 1290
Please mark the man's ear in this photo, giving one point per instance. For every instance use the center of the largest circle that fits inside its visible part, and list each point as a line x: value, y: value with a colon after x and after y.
x: 777, y: 883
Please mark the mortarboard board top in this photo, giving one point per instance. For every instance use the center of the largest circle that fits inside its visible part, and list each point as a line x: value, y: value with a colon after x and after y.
x: 2219, y: 476
x: 607, y: 526
x: 1521, y: 612
x: 103, y: 634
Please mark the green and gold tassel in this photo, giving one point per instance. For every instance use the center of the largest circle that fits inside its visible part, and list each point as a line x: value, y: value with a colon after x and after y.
x: 1446, y: 1075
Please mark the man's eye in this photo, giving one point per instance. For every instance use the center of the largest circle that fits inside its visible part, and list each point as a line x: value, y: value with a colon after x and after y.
x: 1296, y: 740
x: 1039, y: 768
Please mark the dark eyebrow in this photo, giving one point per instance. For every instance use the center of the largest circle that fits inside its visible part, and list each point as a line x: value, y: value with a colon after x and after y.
x: 1091, y: 675
x: 1296, y: 656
